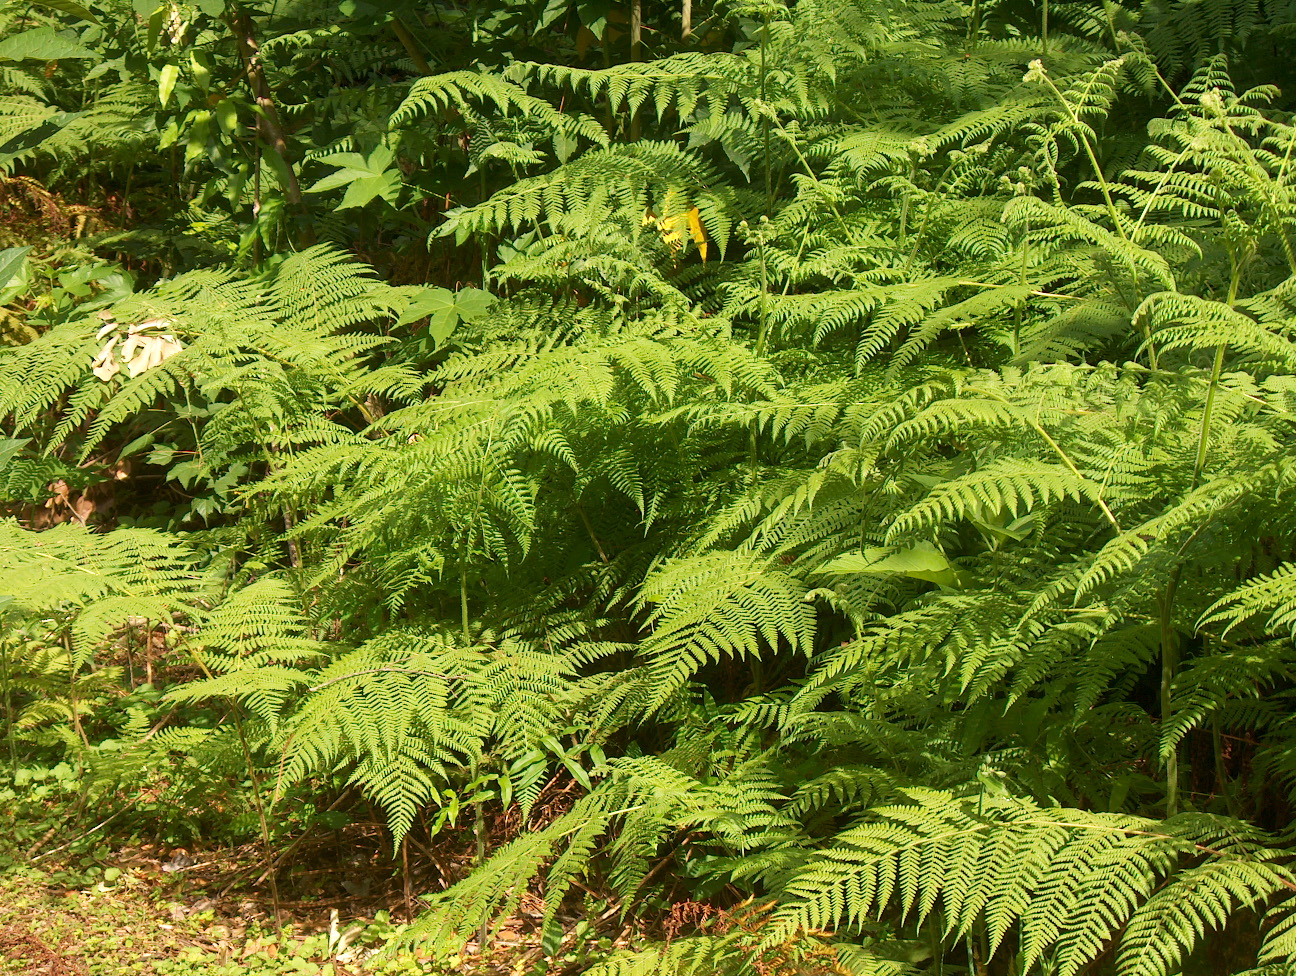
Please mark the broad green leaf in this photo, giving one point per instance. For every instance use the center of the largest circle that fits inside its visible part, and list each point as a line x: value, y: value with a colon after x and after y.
x: 922, y: 562
x: 364, y: 189
x: 167, y: 79
x: 200, y: 67
x: 227, y: 115
x: 12, y: 262
x: 29, y: 139
x: 68, y: 7
x: 364, y: 178
x: 43, y: 44
x: 10, y: 446
x: 564, y: 146
x: 445, y: 309
x: 553, y: 10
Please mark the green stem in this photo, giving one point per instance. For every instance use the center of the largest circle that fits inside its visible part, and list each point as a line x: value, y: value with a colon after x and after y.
x: 765, y: 122
x: 1169, y: 668
x: 479, y: 832
x: 1103, y: 185
x: 8, y: 706
x: 1169, y: 637
x: 72, y: 698
x: 463, y: 604
x: 411, y: 46
x: 259, y: 802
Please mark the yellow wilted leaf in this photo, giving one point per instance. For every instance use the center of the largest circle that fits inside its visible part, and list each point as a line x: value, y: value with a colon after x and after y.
x: 698, y: 231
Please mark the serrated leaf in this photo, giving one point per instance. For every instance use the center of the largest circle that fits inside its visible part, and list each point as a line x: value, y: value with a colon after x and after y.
x: 445, y: 309
x: 364, y: 189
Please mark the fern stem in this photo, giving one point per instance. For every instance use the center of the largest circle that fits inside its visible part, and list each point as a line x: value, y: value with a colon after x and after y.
x: 8, y: 707
x: 762, y: 335
x: 463, y: 604
x: 636, y: 54
x: 1103, y: 185
x: 1169, y: 638
x: 1217, y: 368
x: 636, y: 29
x: 589, y: 528
x: 1062, y: 456
x: 479, y: 833
x: 765, y: 122
x: 72, y: 697
x: 1169, y: 668
x: 259, y: 802
x: 406, y: 880
x: 932, y: 199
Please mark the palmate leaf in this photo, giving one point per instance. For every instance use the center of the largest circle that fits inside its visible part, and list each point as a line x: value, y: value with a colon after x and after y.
x: 445, y: 309
x: 365, y: 179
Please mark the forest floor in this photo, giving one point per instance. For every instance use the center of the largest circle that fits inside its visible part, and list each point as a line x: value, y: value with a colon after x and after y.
x: 132, y: 917
x: 154, y: 912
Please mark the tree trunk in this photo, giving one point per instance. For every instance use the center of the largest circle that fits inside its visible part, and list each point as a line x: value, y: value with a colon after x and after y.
x: 269, y: 126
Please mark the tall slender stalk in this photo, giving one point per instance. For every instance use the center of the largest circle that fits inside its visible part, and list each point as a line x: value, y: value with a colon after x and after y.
x: 8, y: 707
x: 463, y: 601
x: 72, y: 696
x: 258, y: 801
x: 262, y: 817
x: 1169, y: 636
x: 479, y: 835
